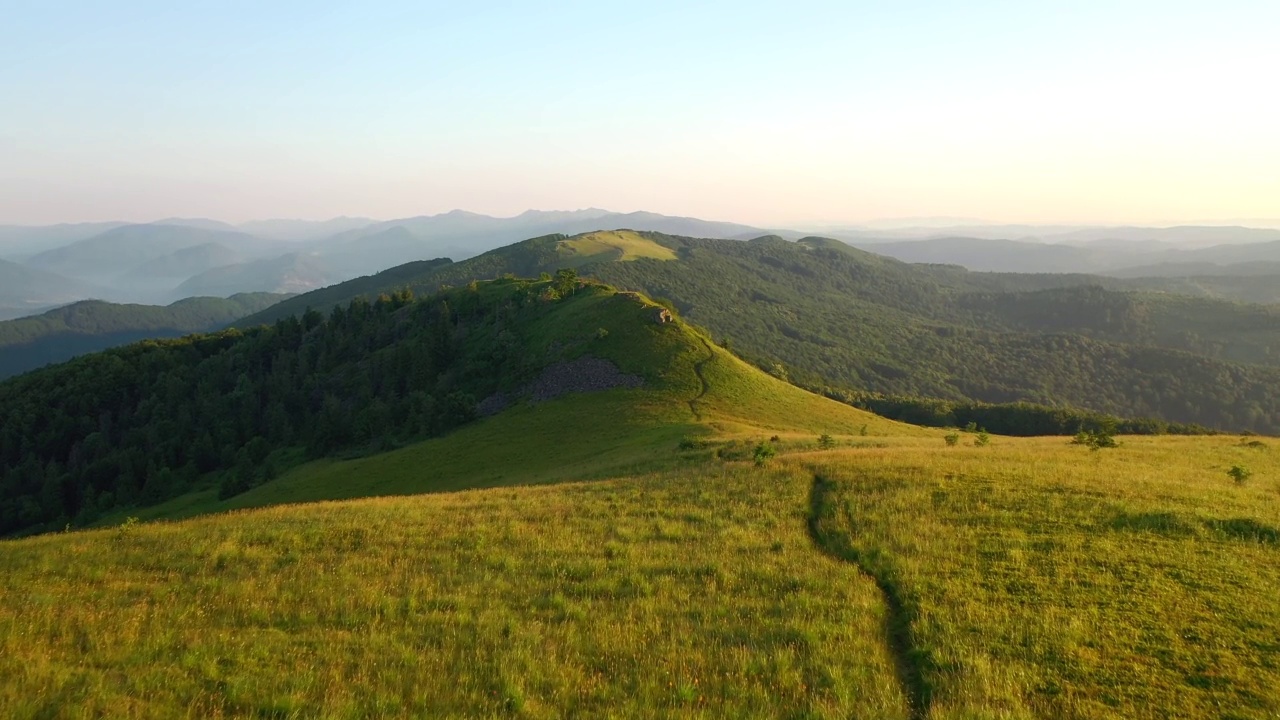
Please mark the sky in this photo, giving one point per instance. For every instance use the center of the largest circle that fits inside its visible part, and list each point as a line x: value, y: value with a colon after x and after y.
x: 797, y: 113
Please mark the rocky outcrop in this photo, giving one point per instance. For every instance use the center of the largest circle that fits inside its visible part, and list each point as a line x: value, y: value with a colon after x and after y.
x: 585, y: 374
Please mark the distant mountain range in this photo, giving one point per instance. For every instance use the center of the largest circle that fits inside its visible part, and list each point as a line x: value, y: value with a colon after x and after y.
x: 1133, y: 256
x: 173, y: 258
x: 25, y: 290
x: 182, y: 257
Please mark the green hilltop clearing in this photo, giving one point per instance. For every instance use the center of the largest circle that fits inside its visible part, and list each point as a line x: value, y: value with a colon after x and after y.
x: 898, y: 337
x: 706, y: 541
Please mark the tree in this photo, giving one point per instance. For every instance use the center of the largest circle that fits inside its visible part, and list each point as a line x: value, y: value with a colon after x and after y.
x: 566, y: 281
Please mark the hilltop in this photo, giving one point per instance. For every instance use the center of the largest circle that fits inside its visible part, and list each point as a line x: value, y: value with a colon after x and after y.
x: 550, y: 497
x: 829, y: 315
x: 887, y: 573
x: 267, y: 413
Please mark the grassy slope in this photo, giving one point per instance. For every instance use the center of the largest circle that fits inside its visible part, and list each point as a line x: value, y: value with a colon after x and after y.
x: 839, y: 316
x: 1031, y: 578
x: 579, y: 436
x: 615, y: 245
x: 1037, y: 579
x: 689, y: 587
x: 1049, y: 581
x: 682, y: 594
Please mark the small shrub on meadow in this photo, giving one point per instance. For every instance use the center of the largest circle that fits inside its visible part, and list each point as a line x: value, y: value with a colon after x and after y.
x: 1240, y: 474
x: 983, y: 439
x: 127, y: 527
x: 1095, y: 439
x: 763, y: 453
x: 952, y: 439
x: 826, y: 442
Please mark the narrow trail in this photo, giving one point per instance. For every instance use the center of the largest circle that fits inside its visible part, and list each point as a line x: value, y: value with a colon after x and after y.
x: 697, y: 369
x: 908, y: 662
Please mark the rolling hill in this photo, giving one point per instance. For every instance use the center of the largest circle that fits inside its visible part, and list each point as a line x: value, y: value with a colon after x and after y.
x: 182, y: 264
x: 303, y: 230
x: 18, y: 242
x: 25, y: 290
x: 289, y: 273
x: 92, y: 325
x: 832, y: 315
x: 639, y: 524
x: 1127, y: 254
x: 106, y: 257
x: 372, y: 376
x: 461, y: 234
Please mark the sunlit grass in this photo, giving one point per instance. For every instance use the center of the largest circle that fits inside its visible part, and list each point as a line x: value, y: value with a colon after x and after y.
x: 676, y: 594
x: 618, y: 245
x: 1051, y: 581
x: 876, y: 572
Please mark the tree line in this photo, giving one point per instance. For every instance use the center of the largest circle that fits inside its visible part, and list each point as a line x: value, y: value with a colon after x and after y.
x: 143, y: 423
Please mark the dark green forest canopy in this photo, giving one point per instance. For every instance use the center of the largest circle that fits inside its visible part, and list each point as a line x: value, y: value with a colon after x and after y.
x: 149, y: 421
x: 836, y: 316
x: 91, y: 325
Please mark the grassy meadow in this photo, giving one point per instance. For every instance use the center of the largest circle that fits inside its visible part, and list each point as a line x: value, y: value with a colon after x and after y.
x: 884, y: 577
x: 694, y: 594
x: 638, y: 553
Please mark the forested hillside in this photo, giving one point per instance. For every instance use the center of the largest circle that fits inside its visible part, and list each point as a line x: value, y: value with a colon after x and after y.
x: 827, y: 314
x: 146, y: 422
x: 91, y: 325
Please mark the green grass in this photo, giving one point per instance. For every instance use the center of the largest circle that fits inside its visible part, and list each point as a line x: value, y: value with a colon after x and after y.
x: 1028, y: 579
x: 693, y: 594
x: 693, y: 389
x: 886, y: 576
x: 612, y: 245
x: 1045, y: 580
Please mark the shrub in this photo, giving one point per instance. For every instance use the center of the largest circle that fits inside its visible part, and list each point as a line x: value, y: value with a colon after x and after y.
x: 952, y: 439
x: 983, y: 439
x: 826, y: 441
x: 1095, y: 439
x: 1240, y: 474
x: 763, y: 452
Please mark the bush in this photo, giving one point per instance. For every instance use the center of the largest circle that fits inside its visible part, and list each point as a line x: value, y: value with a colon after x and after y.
x: 983, y: 439
x: 1240, y: 474
x: 826, y: 442
x: 1095, y: 439
x: 952, y: 439
x: 691, y: 443
x: 763, y: 452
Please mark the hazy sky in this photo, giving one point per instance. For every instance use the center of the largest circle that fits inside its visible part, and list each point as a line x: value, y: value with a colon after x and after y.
x: 777, y: 113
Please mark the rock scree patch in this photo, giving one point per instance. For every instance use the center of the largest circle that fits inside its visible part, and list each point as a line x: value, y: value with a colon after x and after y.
x: 584, y: 374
